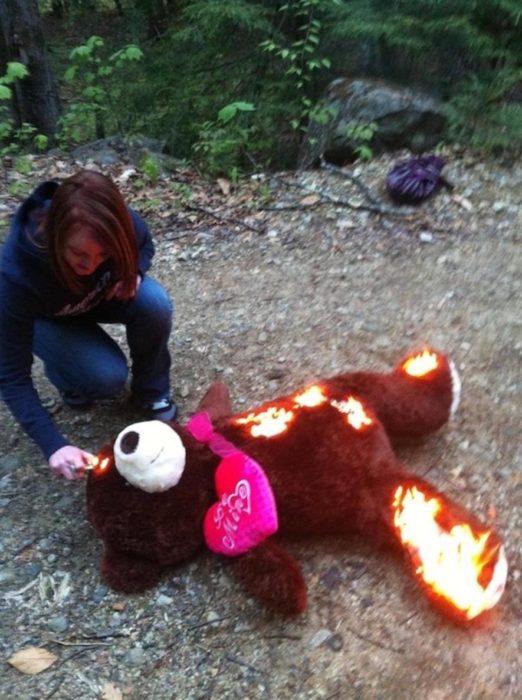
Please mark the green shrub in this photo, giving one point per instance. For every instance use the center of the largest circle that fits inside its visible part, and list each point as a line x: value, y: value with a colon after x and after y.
x: 96, y: 82
x: 483, y: 116
x: 14, y: 139
x: 222, y: 145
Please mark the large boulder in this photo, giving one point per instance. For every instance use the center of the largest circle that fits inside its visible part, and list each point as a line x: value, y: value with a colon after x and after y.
x: 404, y: 117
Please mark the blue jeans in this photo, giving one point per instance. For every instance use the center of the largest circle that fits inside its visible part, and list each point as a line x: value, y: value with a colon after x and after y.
x: 81, y: 359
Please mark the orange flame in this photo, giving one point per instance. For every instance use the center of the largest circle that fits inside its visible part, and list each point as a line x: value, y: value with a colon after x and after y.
x: 311, y: 397
x: 103, y: 464
x: 421, y: 364
x: 450, y: 562
x: 355, y: 413
x: 98, y: 465
x: 268, y: 423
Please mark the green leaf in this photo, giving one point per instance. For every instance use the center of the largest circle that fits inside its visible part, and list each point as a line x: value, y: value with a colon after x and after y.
x: 41, y: 142
x: 15, y: 71
x: 80, y: 52
x: 133, y: 53
x: 128, y: 53
x: 5, y: 93
x: 70, y: 74
x: 93, y: 93
x: 94, y: 41
x: 229, y: 111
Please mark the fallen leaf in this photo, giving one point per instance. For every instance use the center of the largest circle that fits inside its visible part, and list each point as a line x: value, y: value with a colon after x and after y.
x: 224, y: 185
x: 26, y: 554
x: 111, y: 692
x: 310, y: 199
x: 32, y: 660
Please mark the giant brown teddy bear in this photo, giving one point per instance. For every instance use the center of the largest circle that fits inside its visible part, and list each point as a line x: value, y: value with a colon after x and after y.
x: 315, y: 463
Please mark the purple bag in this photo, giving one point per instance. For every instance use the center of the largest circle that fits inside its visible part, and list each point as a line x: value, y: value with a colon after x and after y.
x: 413, y: 180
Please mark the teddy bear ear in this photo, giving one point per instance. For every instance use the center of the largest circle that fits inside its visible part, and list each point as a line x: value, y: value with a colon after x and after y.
x: 150, y: 456
x: 216, y: 402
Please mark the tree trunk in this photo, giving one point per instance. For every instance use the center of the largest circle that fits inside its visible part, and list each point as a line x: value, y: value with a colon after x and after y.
x: 35, y: 98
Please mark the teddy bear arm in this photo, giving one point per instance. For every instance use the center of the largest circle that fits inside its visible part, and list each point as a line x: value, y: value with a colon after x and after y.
x: 269, y: 574
x: 128, y: 573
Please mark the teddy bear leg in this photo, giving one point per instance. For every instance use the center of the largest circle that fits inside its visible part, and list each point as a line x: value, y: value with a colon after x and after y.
x: 273, y: 577
x: 417, y: 398
x: 429, y: 386
x: 127, y: 573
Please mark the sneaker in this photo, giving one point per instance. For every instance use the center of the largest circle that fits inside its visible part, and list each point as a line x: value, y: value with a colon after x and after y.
x: 163, y: 410
x: 76, y: 401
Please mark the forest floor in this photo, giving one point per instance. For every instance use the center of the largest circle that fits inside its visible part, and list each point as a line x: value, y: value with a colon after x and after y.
x: 275, y: 282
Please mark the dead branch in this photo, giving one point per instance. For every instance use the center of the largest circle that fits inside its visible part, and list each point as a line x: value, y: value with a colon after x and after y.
x: 223, y: 219
x: 374, y: 206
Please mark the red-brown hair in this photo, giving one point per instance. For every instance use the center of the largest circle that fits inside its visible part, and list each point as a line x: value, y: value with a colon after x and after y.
x: 90, y: 200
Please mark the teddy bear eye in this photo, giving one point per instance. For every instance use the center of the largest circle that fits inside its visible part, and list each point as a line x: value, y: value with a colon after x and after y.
x: 129, y: 442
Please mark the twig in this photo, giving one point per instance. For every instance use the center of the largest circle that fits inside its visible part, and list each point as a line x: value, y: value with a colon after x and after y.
x: 344, y: 173
x: 55, y: 689
x: 222, y: 219
x: 208, y: 622
x: 178, y: 235
x: 104, y: 635
x: 13, y: 594
x: 294, y: 207
x: 79, y: 644
x: 239, y: 662
x: 375, y: 643
x: 410, y: 617
x: 74, y: 655
x: 336, y: 201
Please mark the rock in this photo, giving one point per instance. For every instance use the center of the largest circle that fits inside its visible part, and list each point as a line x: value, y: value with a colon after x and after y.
x: 106, y: 151
x: 405, y: 118
x: 320, y: 637
x: 9, y: 463
x: 58, y: 624
x: 335, y: 642
x: 99, y: 593
x: 332, y: 578
x: 33, y: 569
x: 134, y: 657
x: 7, y: 575
x: 164, y: 600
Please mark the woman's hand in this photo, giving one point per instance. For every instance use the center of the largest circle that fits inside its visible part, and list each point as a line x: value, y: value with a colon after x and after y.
x: 119, y: 292
x: 70, y: 462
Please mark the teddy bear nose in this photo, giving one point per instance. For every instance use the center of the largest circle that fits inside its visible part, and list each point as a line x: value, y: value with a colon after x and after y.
x: 129, y: 442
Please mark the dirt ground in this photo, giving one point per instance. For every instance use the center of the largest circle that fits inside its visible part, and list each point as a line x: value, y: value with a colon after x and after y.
x: 312, y: 288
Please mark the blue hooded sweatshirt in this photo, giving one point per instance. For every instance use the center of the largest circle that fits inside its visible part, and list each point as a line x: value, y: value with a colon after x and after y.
x: 29, y: 289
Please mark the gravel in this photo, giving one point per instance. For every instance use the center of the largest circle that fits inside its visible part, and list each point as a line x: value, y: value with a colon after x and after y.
x: 318, y: 288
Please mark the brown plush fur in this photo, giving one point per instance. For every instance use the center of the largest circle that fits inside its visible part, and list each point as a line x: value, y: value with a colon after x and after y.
x: 327, y: 478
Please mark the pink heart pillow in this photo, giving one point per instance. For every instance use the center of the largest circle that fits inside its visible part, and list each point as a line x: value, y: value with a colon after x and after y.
x: 246, y: 512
